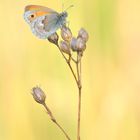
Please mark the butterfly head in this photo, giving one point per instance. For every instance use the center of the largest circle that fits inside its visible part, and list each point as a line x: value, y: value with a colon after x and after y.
x: 63, y: 16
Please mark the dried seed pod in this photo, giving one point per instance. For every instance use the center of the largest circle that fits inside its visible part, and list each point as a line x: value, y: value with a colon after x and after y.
x: 80, y: 44
x: 64, y: 46
x: 83, y: 34
x: 77, y: 44
x: 54, y: 38
x: 38, y: 95
x: 73, y: 44
x: 66, y: 33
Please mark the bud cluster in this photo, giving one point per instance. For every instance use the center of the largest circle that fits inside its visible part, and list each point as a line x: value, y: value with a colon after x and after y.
x: 76, y: 44
x: 70, y: 43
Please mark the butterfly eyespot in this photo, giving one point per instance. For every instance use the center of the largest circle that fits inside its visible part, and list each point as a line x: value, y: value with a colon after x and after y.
x: 32, y: 16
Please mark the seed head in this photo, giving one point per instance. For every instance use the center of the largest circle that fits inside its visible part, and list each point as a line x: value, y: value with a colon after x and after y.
x: 66, y: 33
x: 80, y: 44
x: 73, y: 44
x: 54, y: 38
x: 38, y: 95
x: 77, y: 44
x: 83, y: 34
x: 64, y: 46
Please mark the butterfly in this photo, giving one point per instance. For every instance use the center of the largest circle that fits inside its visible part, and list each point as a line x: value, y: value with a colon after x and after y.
x: 44, y: 21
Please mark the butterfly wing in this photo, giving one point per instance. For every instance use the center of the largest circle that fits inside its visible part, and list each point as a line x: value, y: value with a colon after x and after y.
x: 44, y: 26
x: 39, y: 8
x: 52, y: 24
x: 42, y: 20
x: 34, y: 11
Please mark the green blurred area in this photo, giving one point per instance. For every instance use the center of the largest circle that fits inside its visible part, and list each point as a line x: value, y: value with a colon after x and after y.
x: 111, y: 73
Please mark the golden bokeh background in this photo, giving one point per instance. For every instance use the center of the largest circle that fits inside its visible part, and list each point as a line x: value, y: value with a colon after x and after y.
x: 111, y: 73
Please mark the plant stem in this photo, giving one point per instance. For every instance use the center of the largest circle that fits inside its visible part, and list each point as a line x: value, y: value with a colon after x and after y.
x: 78, y: 82
x: 79, y: 94
x: 69, y: 64
x: 54, y: 120
x: 79, y: 115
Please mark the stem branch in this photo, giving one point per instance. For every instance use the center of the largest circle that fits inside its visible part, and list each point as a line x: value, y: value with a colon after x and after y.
x: 79, y: 93
x: 69, y: 64
x: 54, y: 120
x: 79, y: 115
x: 79, y: 85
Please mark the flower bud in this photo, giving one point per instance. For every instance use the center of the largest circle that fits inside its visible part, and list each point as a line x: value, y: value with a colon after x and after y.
x: 54, y: 38
x: 73, y: 44
x: 64, y: 46
x: 80, y: 44
x: 83, y: 34
x: 38, y: 95
x: 66, y: 33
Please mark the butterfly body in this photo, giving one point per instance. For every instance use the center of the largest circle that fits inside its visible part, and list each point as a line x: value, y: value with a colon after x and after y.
x: 44, y: 21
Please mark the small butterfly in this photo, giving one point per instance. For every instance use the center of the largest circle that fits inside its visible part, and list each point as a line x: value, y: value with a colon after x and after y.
x: 43, y: 20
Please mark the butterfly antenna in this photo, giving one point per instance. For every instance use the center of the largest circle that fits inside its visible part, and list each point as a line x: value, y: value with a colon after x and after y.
x: 69, y: 7
x: 62, y: 5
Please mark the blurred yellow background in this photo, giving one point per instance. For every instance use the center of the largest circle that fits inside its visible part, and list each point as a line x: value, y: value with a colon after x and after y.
x: 111, y: 73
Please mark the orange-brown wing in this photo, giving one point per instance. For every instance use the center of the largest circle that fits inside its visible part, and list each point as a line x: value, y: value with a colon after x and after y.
x: 39, y: 8
x: 34, y: 11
